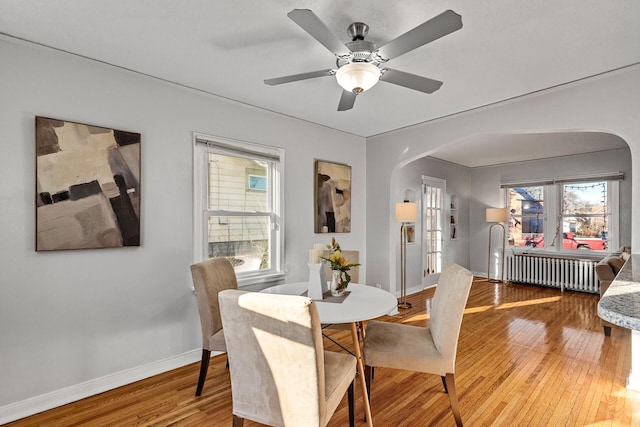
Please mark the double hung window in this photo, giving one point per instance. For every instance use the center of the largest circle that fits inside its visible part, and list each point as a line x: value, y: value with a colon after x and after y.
x: 238, y: 205
x: 564, y: 214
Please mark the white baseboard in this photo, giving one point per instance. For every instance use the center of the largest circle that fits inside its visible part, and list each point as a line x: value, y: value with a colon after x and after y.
x: 414, y: 289
x: 34, y: 405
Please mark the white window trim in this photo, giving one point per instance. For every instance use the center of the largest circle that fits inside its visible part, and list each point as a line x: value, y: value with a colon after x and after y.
x: 552, y: 191
x: 200, y: 208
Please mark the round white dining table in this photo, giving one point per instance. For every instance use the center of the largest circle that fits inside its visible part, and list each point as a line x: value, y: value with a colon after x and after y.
x: 361, y: 304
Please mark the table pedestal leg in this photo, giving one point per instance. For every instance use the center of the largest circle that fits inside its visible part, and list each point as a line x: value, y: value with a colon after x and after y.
x: 358, y: 354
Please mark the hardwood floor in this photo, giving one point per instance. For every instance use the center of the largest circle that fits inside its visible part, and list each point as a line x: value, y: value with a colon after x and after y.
x: 527, y: 356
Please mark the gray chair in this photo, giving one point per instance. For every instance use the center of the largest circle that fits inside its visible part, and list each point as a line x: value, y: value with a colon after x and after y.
x: 280, y: 374
x: 432, y: 349
x: 209, y: 278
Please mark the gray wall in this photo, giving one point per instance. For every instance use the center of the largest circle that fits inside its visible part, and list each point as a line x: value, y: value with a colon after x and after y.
x: 606, y: 103
x: 479, y: 188
x: 77, y: 322
x: 485, y: 191
x: 457, y: 182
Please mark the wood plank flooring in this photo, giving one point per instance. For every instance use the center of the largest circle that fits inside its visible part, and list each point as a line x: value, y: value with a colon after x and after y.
x: 527, y: 356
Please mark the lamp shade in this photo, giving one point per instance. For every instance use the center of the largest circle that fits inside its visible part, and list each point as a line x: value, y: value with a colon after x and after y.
x: 357, y: 77
x: 497, y: 215
x: 406, y: 212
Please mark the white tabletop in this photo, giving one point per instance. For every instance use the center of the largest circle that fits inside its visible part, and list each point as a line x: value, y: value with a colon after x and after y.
x: 363, y: 302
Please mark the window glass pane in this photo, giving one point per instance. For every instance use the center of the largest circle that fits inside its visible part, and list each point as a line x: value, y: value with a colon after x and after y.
x: 242, y: 239
x: 238, y: 184
x: 526, y: 216
x: 585, y: 216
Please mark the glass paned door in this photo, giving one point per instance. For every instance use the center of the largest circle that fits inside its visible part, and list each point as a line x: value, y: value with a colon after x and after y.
x: 433, y: 191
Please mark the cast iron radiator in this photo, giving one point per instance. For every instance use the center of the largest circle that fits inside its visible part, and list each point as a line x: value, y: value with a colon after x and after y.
x: 563, y: 272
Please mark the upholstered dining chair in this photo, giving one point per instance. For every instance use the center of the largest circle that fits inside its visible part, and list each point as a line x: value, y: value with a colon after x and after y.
x: 209, y: 278
x: 431, y: 349
x: 280, y: 374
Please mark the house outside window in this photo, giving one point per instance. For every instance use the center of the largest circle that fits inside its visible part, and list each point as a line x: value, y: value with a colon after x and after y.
x: 238, y: 205
x: 585, y: 215
x: 526, y: 215
x: 564, y: 214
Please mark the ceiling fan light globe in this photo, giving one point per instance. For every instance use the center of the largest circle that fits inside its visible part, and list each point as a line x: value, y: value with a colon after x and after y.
x: 357, y: 77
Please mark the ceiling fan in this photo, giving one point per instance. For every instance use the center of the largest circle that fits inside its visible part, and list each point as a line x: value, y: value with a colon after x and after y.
x: 360, y: 62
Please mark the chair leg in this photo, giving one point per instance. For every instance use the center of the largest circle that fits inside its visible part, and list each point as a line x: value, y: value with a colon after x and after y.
x: 204, y: 367
x: 237, y: 421
x: 607, y: 330
x: 368, y: 376
x: 450, y: 386
x: 444, y: 383
x: 351, y: 395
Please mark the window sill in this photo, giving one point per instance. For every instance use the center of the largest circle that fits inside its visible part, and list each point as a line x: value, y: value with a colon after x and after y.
x: 256, y: 283
x: 581, y: 253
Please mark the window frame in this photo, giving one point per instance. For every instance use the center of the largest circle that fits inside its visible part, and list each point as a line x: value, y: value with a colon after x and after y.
x: 203, y: 145
x: 553, y: 214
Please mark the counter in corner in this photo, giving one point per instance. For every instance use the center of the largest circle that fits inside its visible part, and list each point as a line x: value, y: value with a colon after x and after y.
x: 620, y: 305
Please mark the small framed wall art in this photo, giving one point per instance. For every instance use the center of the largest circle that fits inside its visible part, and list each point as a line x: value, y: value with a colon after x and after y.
x: 332, y: 197
x: 87, y: 186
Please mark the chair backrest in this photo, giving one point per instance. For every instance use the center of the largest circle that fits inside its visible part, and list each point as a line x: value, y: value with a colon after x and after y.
x: 276, y: 359
x: 447, y: 310
x: 209, y: 278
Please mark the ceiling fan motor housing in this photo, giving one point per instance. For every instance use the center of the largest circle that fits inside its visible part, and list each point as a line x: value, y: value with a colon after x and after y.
x: 357, y: 30
x: 360, y: 52
x: 359, y: 62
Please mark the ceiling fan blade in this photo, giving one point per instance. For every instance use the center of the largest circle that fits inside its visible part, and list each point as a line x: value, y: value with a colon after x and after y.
x: 347, y: 99
x: 309, y: 21
x: 439, y: 26
x: 410, y: 81
x: 301, y: 76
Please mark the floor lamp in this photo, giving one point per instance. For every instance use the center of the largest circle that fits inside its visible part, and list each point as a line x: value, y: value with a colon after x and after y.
x: 497, y: 216
x: 405, y: 212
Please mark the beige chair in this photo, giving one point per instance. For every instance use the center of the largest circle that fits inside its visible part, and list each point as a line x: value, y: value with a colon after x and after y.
x: 280, y: 374
x: 209, y: 278
x: 432, y: 349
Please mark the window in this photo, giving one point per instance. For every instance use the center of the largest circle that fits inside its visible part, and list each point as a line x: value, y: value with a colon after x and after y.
x: 526, y: 215
x: 579, y: 214
x: 238, y: 205
x: 585, y: 215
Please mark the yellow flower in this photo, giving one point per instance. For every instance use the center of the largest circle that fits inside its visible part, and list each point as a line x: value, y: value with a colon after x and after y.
x: 337, y: 260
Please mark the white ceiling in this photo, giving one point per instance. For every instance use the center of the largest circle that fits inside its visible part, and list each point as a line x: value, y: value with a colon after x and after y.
x: 495, y: 149
x: 505, y: 49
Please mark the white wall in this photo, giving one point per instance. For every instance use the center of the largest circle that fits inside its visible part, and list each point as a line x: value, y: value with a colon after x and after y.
x: 72, y: 322
x: 457, y: 182
x: 485, y: 191
x: 606, y: 103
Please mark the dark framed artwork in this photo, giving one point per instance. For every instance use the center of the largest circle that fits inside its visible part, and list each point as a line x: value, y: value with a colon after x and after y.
x: 332, y: 197
x: 87, y: 186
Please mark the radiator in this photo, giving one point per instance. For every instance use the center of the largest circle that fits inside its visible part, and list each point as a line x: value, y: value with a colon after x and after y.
x: 577, y: 274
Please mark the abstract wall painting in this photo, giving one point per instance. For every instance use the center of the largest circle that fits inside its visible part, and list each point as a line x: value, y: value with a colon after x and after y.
x: 87, y: 186
x: 332, y: 198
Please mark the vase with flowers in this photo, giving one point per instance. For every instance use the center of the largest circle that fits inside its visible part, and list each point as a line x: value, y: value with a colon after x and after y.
x: 340, y: 267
